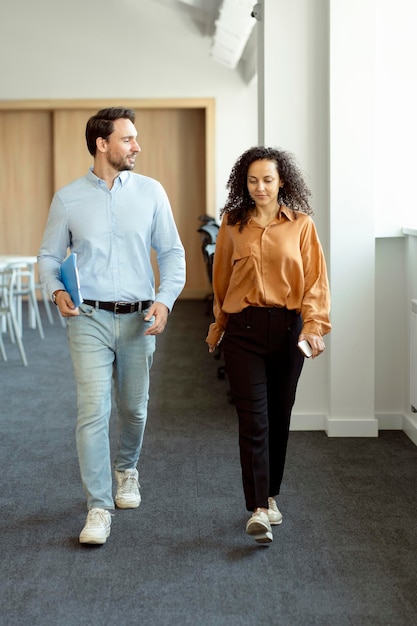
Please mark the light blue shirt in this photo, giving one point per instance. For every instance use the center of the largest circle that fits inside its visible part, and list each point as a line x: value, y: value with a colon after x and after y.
x: 112, y: 232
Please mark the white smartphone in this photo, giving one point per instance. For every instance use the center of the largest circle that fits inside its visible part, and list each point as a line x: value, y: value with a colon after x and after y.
x: 305, y: 348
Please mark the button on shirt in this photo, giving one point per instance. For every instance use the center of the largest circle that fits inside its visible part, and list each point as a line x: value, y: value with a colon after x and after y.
x: 112, y: 231
x: 281, y: 265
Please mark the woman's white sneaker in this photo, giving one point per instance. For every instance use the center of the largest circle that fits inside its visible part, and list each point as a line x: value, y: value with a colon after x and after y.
x: 274, y: 514
x: 259, y: 527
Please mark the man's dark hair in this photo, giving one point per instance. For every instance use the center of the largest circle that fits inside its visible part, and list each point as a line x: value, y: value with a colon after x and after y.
x: 101, y: 125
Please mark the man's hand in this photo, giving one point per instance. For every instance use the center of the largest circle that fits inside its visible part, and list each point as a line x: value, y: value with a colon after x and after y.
x: 160, y: 311
x: 65, y: 304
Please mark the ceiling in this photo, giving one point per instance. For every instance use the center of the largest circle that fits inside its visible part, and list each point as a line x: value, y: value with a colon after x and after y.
x: 203, y: 12
x: 230, y: 26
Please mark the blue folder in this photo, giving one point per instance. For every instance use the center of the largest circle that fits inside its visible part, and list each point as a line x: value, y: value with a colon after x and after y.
x: 69, y: 276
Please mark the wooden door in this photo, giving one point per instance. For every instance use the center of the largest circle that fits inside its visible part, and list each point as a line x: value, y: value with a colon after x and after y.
x: 25, y: 179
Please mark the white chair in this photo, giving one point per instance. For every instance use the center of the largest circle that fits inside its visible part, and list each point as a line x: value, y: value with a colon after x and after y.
x: 46, y: 303
x: 48, y: 308
x: 2, y: 348
x: 8, y: 278
x: 24, y: 285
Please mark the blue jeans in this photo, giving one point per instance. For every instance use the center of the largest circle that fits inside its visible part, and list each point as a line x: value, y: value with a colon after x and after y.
x: 106, y: 346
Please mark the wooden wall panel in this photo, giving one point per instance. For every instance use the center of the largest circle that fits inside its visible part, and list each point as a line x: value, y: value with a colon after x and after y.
x: 173, y: 151
x: 42, y: 148
x: 71, y: 157
x: 25, y: 179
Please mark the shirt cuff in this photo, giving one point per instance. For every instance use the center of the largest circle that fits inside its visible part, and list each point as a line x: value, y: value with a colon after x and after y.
x: 316, y: 328
x: 215, y: 334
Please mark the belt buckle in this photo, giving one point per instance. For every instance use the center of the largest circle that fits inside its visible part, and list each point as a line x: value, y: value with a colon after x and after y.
x: 120, y: 304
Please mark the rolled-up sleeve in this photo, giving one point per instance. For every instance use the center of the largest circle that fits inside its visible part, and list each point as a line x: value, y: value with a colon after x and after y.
x: 53, y: 248
x: 170, y: 253
x: 315, y: 306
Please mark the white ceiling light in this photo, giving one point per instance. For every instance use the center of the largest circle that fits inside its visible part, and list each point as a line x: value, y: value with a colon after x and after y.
x: 233, y: 28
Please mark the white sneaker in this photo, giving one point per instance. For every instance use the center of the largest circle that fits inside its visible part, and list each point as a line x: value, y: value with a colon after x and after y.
x: 127, y: 495
x: 274, y: 514
x: 97, y: 527
x: 259, y: 528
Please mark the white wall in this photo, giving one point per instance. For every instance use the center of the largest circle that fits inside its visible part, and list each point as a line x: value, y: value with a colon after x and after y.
x: 311, y: 68
x: 293, y: 94
x: 395, y: 116
x: 392, y: 326
x: 395, y: 208
x: 373, y: 133
x: 410, y: 419
x: 325, y: 80
x: 352, y: 72
x: 123, y: 49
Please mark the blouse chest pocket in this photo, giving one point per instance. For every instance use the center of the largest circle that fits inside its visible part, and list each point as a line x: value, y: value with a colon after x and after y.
x: 243, y: 267
x: 241, y: 252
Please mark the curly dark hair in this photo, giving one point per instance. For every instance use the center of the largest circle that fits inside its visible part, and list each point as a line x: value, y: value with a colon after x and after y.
x: 101, y: 125
x: 294, y: 194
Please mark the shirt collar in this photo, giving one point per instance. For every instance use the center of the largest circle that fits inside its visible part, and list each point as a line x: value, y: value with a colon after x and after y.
x: 123, y: 176
x: 289, y: 213
x: 284, y: 210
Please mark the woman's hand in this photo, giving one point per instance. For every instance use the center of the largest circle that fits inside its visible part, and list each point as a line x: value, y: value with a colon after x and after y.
x: 316, y: 342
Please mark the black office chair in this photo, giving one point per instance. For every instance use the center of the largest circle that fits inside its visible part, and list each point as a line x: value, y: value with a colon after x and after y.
x: 208, y: 231
x: 208, y: 234
x: 208, y: 254
x: 204, y: 219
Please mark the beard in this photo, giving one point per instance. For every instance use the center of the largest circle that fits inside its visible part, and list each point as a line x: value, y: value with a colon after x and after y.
x: 120, y: 164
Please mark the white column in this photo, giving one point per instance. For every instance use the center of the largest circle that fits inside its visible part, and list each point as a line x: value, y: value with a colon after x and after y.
x: 315, y: 97
x: 352, y: 231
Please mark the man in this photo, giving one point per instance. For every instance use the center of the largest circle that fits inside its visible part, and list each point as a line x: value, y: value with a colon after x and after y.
x: 111, y: 218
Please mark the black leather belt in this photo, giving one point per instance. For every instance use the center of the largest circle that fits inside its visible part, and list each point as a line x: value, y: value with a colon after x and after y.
x: 120, y: 307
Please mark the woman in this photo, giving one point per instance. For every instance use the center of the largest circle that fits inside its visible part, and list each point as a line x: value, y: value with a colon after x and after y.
x: 270, y: 292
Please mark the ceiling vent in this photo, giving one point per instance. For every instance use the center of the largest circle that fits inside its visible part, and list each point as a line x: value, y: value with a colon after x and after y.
x: 233, y: 28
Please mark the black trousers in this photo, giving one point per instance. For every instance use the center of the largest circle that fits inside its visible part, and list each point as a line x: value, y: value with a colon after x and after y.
x: 263, y: 365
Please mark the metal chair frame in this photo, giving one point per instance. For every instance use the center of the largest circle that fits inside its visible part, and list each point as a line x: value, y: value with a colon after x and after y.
x: 24, y: 285
x: 8, y: 279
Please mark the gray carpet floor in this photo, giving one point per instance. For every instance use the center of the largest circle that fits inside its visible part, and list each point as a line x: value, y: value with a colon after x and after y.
x: 345, y: 553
